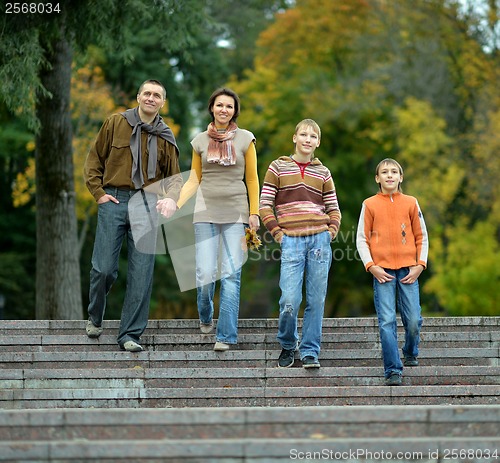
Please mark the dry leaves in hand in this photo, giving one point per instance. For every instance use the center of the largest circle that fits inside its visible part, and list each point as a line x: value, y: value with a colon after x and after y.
x: 252, y: 239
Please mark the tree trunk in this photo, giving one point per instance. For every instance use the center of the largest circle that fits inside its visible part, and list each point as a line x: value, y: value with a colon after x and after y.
x: 58, y: 289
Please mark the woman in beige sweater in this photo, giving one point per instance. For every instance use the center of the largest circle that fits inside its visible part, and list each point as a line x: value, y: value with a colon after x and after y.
x: 224, y: 178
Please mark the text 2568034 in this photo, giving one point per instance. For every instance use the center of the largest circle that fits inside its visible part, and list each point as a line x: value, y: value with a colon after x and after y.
x: 32, y: 8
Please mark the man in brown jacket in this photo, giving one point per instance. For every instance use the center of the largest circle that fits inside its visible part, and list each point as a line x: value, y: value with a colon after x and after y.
x: 135, y: 153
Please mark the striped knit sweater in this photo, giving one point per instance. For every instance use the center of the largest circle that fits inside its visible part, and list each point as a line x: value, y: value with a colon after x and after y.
x: 299, y: 205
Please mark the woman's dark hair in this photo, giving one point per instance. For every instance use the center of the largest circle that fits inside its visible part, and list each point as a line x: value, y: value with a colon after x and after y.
x: 227, y: 92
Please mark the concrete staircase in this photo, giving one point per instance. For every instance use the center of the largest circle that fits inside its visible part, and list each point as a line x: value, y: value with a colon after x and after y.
x: 67, y: 398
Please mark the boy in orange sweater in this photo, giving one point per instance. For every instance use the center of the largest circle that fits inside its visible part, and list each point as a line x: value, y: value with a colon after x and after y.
x: 393, y: 244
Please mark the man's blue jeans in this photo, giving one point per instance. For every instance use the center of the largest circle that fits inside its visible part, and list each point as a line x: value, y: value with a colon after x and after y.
x: 309, y: 256
x: 405, y: 297
x: 219, y: 255
x: 113, y: 225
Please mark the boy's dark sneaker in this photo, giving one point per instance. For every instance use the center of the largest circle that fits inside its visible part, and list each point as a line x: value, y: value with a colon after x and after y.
x: 394, y: 380
x: 310, y: 362
x: 286, y: 358
x: 410, y: 362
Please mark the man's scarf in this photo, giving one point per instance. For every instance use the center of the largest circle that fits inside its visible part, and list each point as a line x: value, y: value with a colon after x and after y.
x: 157, y: 128
x: 220, y: 147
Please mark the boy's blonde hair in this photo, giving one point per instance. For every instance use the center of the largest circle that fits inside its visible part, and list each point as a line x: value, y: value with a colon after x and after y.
x: 308, y: 123
x: 392, y: 162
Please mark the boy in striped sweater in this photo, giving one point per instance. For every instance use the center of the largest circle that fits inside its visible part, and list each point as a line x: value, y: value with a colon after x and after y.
x: 298, y: 205
x: 393, y: 244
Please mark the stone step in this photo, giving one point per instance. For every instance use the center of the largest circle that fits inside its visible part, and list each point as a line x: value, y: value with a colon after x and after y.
x: 249, y: 358
x: 359, y: 433
x: 237, y: 377
x: 226, y: 423
x: 197, y: 341
x: 247, y: 450
x: 230, y: 396
x: 264, y: 325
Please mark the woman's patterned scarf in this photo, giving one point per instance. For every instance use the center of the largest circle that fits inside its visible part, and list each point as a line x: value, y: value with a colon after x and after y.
x: 220, y: 147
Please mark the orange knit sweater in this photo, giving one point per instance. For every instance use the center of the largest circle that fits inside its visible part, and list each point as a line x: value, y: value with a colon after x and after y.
x: 392, y: 232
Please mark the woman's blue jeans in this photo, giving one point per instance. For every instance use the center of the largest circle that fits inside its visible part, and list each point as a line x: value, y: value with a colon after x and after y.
x: 113, y: 225
x: 405, y: 297
x: 220, y: 251
x: 309, y: 256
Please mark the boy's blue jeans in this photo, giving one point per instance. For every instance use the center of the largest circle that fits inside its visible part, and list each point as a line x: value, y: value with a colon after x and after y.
x: 219, y: 255
x: 405, y: 297
x: 113, y: 225
x: 309, y: 256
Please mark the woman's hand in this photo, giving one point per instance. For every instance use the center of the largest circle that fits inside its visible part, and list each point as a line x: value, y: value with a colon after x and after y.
x: 254, y: 222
